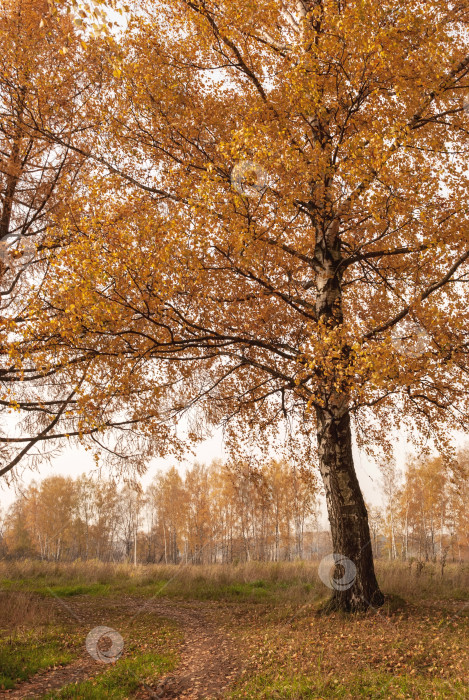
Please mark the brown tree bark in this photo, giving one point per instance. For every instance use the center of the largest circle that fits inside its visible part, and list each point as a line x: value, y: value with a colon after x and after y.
x: 346, y: 508
x: 347, y: 513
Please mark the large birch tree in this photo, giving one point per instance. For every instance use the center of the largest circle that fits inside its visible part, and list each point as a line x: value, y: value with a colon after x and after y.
x: 279, y: 235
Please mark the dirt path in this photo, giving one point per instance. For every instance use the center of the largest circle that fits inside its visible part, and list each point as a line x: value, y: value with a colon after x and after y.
x: 208, y: 664
x: 54, y: 679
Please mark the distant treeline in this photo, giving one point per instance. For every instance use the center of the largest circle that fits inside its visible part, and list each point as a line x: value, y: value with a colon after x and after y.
x: 232, y: 513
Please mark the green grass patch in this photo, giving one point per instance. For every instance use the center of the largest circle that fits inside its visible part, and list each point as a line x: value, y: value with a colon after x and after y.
x: 21, y: 657
x: 53, y: 588
x: 379, y: 686
x: 77, y: 589
x: 122, y: 678
x: 246, y: 590
x: 196, y: 588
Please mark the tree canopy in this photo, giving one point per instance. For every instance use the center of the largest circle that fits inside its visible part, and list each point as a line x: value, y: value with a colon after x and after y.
x: 272, y: 231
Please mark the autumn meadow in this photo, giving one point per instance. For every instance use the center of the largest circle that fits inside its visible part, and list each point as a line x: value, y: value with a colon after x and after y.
x: 244, y: 222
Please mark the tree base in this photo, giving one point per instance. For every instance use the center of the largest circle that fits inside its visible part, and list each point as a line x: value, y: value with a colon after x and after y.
x: 342, y: 602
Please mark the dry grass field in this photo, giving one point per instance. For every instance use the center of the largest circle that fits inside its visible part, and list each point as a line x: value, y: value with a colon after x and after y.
x: 245, y: 631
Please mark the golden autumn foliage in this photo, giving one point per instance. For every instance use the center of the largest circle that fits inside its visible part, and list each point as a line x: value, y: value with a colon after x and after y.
x: 272, y: 231
x: 48, y: 93
x: 221, y: 513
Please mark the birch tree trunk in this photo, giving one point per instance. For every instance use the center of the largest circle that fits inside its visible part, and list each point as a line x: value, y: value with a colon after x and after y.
x: 347, y: 512
x: 346, y: 508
